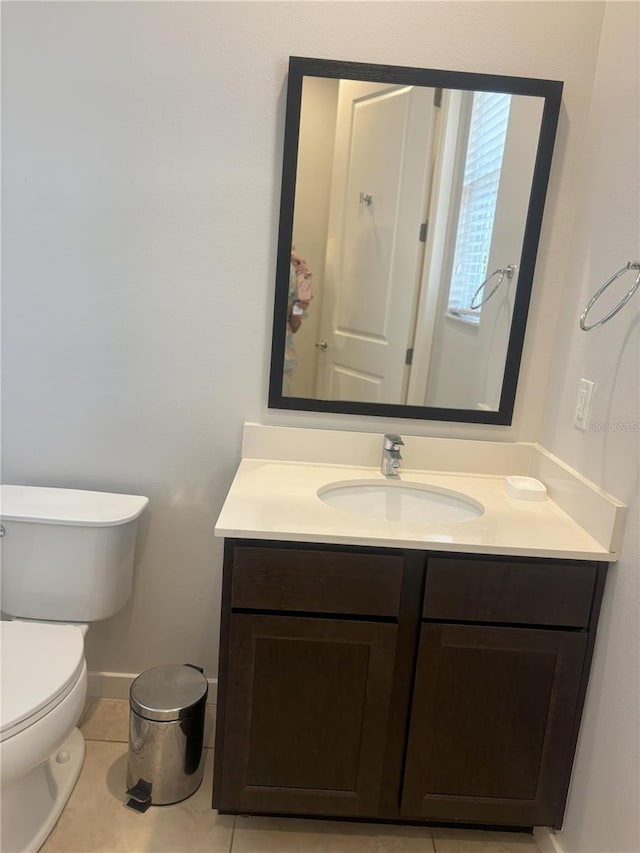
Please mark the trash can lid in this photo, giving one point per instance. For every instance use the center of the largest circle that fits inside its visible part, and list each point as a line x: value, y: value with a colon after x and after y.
x: 169, y: 692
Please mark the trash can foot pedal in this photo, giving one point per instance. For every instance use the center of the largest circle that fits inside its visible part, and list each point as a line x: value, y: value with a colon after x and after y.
x: 140, y: 795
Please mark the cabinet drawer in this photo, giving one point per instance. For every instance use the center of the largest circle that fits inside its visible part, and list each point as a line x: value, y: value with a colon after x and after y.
x: 507, y: 592
x: 300, y: 580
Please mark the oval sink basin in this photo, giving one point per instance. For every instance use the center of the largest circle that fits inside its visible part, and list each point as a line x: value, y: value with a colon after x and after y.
x: 401, y: 501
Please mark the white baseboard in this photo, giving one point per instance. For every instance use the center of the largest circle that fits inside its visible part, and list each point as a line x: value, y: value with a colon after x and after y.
x: 547, y: 840
x: 115, y: 685
x: 109, y: 685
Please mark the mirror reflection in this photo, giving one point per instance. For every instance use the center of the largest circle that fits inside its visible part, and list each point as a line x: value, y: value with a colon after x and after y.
x: 410, y: 212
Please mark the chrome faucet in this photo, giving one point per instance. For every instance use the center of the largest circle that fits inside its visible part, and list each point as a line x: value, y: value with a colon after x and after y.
x: 391, y: 456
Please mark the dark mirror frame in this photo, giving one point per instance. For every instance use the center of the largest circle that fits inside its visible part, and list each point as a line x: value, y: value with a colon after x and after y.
x: 550, y: 90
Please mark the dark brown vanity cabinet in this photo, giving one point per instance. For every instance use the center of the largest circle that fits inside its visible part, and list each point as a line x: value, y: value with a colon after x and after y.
x: 307, y: 667
x: 497, y: 690
x: 401, y: 685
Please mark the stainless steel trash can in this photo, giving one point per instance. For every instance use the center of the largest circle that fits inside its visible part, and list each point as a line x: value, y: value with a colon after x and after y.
x: 166, y: 731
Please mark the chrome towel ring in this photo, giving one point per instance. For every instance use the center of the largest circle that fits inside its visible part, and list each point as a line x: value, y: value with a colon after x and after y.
x: 630, y: 265
x: 506, y: 272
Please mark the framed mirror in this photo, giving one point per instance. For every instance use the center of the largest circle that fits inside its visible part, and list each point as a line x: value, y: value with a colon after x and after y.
x: 410, y: 216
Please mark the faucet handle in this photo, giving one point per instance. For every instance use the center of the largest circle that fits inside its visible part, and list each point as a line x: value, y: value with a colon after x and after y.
x: 392, y: 441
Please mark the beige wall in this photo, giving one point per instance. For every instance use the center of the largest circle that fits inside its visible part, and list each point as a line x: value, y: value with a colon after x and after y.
x: 142, y: 147
x: 311, y: 214
x: 141, y: 164
x: 603, y: 813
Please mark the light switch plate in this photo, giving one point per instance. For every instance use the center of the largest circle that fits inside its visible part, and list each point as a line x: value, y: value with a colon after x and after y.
x: 583, y: 404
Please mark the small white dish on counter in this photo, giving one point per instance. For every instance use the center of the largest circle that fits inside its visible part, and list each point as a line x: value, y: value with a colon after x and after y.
x: 525, y: 489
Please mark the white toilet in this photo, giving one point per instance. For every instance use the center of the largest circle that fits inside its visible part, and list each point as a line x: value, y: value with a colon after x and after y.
x: 66, y: 560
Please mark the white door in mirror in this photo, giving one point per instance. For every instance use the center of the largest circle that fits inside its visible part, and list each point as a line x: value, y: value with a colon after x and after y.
x: 374, y: 258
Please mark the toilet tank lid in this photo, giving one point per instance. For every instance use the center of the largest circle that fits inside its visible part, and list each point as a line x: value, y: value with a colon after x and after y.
x: 68, y: 506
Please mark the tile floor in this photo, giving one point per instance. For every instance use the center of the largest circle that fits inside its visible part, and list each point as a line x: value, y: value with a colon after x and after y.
x: 97, y: 821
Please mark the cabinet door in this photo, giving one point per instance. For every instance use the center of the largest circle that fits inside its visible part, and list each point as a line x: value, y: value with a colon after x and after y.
x: 307, y: 703
x: 491, y: 726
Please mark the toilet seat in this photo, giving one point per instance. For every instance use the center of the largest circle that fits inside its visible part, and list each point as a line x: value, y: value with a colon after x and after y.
x: 41, y: 663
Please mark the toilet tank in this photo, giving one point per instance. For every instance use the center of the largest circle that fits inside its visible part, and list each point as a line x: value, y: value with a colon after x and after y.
x: 66, y: 554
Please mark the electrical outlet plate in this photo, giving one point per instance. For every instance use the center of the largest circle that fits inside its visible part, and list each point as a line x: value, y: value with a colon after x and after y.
x: 583, y: 404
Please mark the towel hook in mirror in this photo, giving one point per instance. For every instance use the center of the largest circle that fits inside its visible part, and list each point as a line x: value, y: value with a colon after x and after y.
x: 506, y: 272
x: 630, y: 265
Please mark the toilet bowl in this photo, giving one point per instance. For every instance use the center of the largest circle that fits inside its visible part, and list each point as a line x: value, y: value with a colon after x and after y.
x: 44, y: 685
x: 67, y: 558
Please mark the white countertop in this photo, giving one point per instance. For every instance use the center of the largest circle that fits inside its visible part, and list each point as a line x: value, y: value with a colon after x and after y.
x: 277, y: 500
